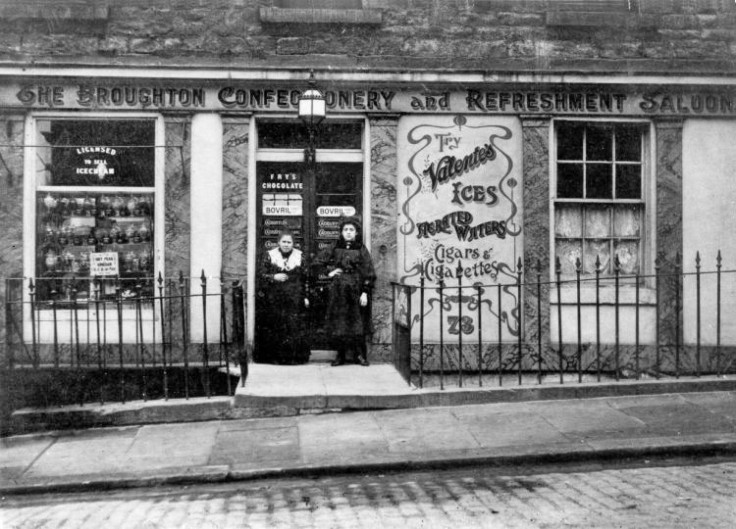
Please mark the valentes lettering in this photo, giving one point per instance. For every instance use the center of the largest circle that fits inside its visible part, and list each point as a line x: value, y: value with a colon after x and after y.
x: 450, y: 167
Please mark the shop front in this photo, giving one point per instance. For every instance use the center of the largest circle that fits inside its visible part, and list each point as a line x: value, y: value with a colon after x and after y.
x: 525, y: 192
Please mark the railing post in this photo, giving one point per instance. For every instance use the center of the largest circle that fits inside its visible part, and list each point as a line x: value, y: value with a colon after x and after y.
x: 224, y: 344
x: 8, y: 316
x: 75, y: 320
x: 539, y: 321
x: 578, y: 270
x: 558, y: 273
x: 96, y: 287
x: 184, y: 334
x: 139, y: 338
x: 519, y: 272
x: 206, y: 352
x: 119, y: 304
x: 55, y: 293
x: 421, y: 329
x: 697, y: 314
x: 598, y: 316
x: 677, y: 315
x: 459, y: 273
x: 32, y: 295
x: 160, y: 281
x: 77, y: 350
x: 637, y: 332
x: 718, y: 313
x: 657, y: 330
x: 442, y: 333
x: 480, y: 338
x: 617, y: 273
x: 500, y: 333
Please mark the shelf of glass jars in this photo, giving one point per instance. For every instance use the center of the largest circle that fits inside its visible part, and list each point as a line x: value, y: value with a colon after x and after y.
x: 63, y: 264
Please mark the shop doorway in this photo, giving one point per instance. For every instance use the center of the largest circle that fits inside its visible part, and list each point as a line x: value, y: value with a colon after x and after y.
x: 308, y: 203
x: 308, y: 200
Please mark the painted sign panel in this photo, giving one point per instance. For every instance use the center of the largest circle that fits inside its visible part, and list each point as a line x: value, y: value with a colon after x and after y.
x: 460, y: 199
x: 603, y: 101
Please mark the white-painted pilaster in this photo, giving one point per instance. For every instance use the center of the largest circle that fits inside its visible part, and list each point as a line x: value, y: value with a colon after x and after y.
x: 206, y: 217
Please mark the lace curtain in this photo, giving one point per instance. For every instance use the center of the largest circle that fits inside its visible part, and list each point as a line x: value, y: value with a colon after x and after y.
x: 591, y: 232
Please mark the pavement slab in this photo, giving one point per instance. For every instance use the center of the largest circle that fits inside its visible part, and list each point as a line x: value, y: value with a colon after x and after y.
x: 270, y: 446
x: 675, y: 417
x: 424, y: 430
x: 17, y: 454
x: 505, y: 433
x: 84, y: 453
x: 174, y: 445
x: 718, y: 403
x: 511, y: 427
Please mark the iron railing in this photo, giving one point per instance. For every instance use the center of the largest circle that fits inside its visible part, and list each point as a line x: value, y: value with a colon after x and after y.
x: 585, y: 328
x: 104, y: 339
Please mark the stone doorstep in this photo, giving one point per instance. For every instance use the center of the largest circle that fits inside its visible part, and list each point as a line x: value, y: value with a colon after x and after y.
x: 243, y: 406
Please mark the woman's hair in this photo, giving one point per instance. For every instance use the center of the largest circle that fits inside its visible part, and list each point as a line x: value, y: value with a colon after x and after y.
x: 285, y: 233
x: 352, y: 221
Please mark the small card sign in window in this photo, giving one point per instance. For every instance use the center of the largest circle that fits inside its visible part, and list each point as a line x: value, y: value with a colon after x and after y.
x: 103, y: 264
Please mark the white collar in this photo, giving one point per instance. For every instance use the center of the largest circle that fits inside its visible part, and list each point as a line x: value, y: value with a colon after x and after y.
x: 277, y: 258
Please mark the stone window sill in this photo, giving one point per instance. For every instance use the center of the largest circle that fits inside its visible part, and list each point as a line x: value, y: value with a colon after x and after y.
x: 274, y: 15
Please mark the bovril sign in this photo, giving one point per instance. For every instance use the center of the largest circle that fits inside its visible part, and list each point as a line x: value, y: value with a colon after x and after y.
x: 335, y: 211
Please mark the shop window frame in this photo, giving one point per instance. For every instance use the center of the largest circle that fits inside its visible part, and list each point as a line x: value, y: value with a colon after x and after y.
x: 32, y: 188
x: 646, y: 202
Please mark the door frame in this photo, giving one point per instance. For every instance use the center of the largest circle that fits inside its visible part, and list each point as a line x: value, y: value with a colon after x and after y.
x: 295, y: 155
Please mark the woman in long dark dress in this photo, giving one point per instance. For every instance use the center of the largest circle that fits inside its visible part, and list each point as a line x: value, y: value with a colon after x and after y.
x: 350, y: 269
x: 282, y: 337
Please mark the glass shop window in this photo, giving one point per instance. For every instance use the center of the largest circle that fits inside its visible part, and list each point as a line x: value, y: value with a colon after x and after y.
x: 599, y: 206
x: 95, y: 191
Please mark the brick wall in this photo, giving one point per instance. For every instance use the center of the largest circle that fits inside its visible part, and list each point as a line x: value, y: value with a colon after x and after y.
x: 478, y: 34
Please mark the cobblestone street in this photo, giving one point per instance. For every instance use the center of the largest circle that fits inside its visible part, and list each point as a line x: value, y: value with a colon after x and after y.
x: 667, y: 497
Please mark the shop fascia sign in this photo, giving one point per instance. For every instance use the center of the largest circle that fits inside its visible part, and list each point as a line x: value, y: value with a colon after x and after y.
x: 372, y: 100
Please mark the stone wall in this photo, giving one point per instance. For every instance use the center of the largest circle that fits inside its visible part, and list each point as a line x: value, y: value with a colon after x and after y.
x: 11, y: 220
x: 477, y: 34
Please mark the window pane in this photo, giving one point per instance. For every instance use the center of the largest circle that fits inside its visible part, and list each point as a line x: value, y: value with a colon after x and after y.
x: 628, y: 256
x: 568, y: 252
x: 570, y: 141
x: 569, y: 180
x: 628, y: 144
x: 568, y: 221
x: 627, y: 221
x: 294, y: 135
x: 597, y: 249
x: 599, y: 181
x: 338, y: 178
x: 598, y: 221
x: 74, y: 229
x: 628, y: 181
x: 96, y: 152
x: 599, y: 143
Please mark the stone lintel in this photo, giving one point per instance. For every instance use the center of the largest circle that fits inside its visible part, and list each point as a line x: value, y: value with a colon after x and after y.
x: 274, y: 15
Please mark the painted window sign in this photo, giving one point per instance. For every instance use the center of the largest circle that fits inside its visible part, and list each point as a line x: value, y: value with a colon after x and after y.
x: 460, y: 220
